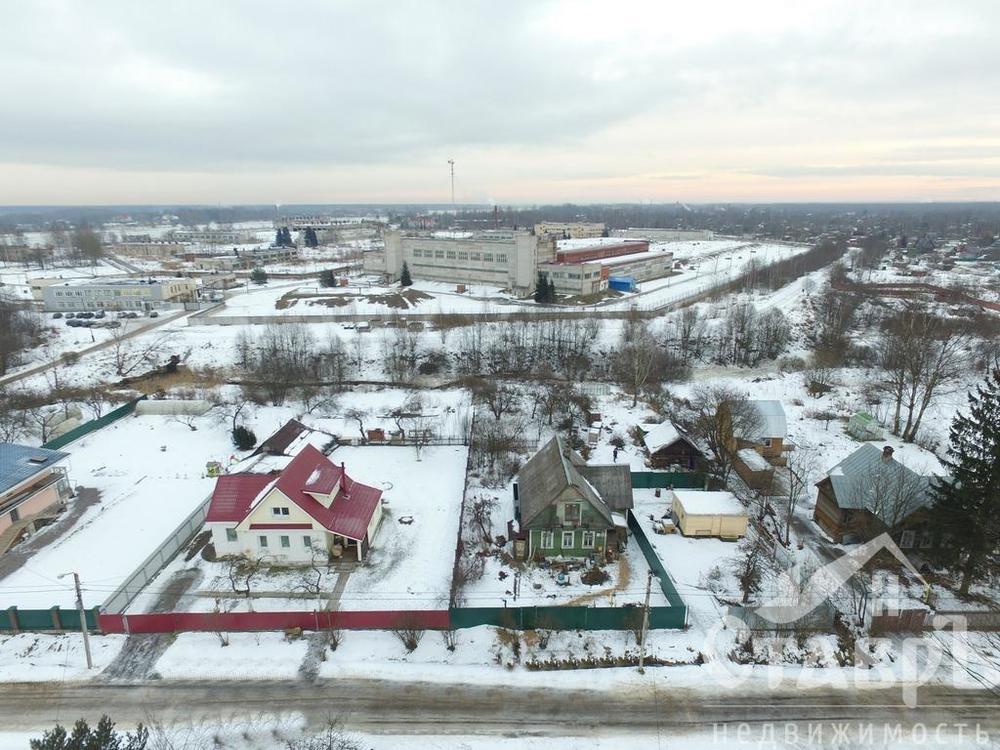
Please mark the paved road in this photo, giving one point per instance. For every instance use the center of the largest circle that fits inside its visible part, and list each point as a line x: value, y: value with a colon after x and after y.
x: 424, y: 708
x: 147, y: 326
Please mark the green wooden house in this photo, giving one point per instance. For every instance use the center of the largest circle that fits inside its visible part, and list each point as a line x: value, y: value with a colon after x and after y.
x: 565, y: 508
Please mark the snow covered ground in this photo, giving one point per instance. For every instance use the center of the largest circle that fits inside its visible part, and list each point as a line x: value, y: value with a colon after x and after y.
x: 41, y: 657
x: 150, y: 472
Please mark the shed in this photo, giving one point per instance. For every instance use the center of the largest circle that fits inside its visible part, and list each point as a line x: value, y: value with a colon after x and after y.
x: 717, y: 514
x: 754, y: 470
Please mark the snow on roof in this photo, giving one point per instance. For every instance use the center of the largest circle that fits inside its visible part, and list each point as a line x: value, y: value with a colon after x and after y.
x: 660, y: 435
x: 753, y: 460
x: 702, y: 503
x: 632, y: 257
x: 773, y: 423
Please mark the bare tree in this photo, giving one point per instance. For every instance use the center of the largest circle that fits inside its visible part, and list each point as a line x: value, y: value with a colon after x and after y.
x: 499, y: 398
x: 753, y: 565
x: 637, y: 360
x: 921, y: 357
x: 891, y: 492
x: 241, y: 572
x: 131, y: 351
x: 481, y: 516
x: 359, y: 416
x: 716, y: 417
x: 801, y: 465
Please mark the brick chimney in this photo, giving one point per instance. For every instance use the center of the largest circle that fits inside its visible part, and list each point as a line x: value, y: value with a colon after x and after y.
x: 887, y: 453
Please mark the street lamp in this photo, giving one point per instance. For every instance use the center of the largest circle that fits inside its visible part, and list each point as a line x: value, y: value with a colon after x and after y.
x: 83, y: 615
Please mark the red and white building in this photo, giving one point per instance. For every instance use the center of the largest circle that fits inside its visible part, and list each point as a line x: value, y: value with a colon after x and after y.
x: 310, y: 507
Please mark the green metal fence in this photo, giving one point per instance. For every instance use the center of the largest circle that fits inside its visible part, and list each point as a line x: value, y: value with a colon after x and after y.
x: 654, y: 562
x: 567, y: 618
x: 54, y: 619
x: 647, y: 480
x: 95, y: 424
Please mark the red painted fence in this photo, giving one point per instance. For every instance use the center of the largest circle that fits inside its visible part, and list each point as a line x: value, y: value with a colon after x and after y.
x: 171, y: 622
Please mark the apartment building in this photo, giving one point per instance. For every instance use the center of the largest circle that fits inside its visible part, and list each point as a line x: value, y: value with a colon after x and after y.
x: 571, y: 229
x: 505, y: 259
x: 148, y: 249
x: 122, y: 294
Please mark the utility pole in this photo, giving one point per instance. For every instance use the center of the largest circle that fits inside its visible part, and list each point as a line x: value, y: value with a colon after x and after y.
x: 645, y: 624
x: 451, y: 163
x: 83, y: 618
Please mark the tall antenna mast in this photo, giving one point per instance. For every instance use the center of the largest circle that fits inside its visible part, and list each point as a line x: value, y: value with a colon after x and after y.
x: 451, y: 163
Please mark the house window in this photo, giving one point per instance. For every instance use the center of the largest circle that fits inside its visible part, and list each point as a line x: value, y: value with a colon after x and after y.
x: 285, y: 542
x: 230, y: 535
x: 588, y: 540
x: 926, y: 539
x: 262, y: 541
x: 279, y: 511
x: 767, y: 442
x: 571, y: 512
x: 547, y: 540
x: 567, y: 539
x: 307, y: 542
x: 906, y: 539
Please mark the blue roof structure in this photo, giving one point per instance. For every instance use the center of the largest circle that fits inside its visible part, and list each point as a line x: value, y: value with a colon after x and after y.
x: 21, y: 462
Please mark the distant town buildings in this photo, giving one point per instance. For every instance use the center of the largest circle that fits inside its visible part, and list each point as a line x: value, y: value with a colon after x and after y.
x: 655, y: 234
x: 158, y: 249
x: 571, y: 230
x: 214, y: 236
x: 122, y: 294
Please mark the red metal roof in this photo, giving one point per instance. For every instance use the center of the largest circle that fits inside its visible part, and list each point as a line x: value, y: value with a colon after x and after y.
x: 233, y: 495
x: 276, y: 526
x: 310, y: 471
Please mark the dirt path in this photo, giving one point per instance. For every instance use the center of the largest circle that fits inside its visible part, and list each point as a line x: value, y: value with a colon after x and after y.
x: 624, y: 579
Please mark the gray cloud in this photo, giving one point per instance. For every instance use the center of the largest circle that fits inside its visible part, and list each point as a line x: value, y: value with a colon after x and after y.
x: 231, y: 87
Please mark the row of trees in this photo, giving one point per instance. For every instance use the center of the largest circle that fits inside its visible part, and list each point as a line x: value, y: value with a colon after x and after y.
x: 20, y: 329
x: 744, y: 338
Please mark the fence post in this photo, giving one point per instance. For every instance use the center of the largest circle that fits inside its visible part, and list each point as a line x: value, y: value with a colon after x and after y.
x: 56, y: 619
x: 15, y: 626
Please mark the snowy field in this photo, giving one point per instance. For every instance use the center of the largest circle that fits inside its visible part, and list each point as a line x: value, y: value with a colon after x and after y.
x: 150, y: 472
x: 40, y: 657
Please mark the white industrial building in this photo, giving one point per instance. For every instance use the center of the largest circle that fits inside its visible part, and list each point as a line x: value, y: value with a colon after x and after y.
x: 505, y: 259
x: 572, y: 229
x: 123, y: 294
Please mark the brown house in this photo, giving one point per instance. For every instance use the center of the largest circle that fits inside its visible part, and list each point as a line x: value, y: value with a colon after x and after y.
x: 870, y: 492
x: 669, y: 448
x: 770, y: 439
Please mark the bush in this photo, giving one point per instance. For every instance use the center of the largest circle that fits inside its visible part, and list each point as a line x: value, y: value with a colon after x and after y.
x: 258, y: 276
x: 328, y: 278
x: 243, y: 438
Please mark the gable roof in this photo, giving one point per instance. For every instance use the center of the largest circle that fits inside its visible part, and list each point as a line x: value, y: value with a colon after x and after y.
x: 310, y: 471
x: 290, y: 437
x: 658, y: 436
x: 613, y: 483
x: 21, y: 462
x: 772, y: 421
x: 856, y: 480
x: 547, y: 474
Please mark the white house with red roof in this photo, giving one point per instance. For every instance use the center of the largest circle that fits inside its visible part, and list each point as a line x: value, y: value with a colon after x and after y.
x: 311, y: 506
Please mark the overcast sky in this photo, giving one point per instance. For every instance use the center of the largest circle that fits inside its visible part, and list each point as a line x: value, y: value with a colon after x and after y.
x: 238, y: 102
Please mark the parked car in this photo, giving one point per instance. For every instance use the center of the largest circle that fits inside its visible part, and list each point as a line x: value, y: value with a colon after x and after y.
x: 154, y: 314
x: 113, y: 324
x: 57, y: 316
x: 85, y: 315
x: 99, y: 314
x: 69, y: 315
x: 74, y: 323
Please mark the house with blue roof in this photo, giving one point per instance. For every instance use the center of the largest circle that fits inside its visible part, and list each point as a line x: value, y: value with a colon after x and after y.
x: 33, y: 482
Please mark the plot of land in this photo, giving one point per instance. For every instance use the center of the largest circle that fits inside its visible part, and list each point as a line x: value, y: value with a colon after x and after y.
x: 150, y: 473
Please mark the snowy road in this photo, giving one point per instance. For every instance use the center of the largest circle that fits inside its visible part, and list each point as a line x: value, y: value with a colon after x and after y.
x: 398, y: 707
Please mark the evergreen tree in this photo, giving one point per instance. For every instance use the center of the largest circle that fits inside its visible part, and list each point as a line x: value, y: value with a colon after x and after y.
x: 243, y: 438
x: 310, y: 238
x: 550, y: 294
x: 101, y: 737
x: 967, y: 502
x: 279, y: 238
x: 404, y: 276
x: 541, y: 289
x: 328, y: 278
x: 258, y: 276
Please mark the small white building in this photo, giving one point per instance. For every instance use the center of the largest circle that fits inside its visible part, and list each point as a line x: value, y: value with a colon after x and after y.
x: 702, y: 513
